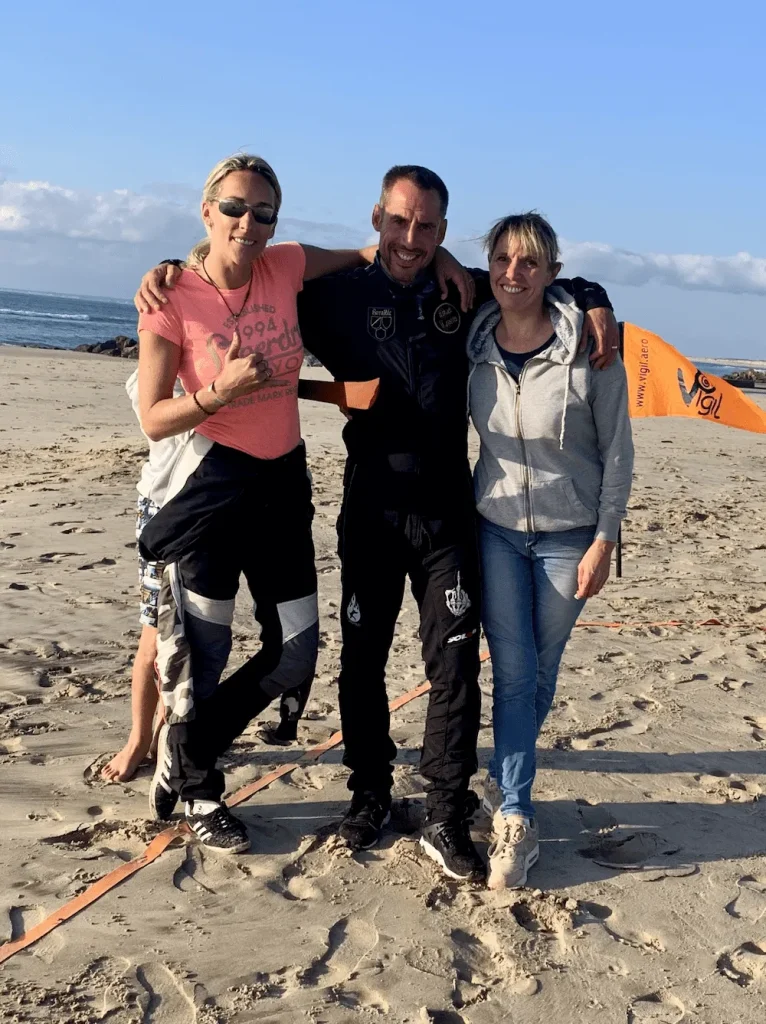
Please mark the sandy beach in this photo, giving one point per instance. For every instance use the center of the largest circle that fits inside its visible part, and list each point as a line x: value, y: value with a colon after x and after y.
x: 648, y: 905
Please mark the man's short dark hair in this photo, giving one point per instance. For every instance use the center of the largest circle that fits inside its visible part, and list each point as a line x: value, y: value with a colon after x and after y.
x: 427, y: 180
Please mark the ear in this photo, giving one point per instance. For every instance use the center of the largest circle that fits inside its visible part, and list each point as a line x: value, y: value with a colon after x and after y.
x: 554, y: 272
x: 441, y: 232
x: 273, y: 228
x: 205, y: 212
x: 377, y: 216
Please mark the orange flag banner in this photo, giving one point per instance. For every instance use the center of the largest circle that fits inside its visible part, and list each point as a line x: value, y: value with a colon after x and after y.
x: 662, y: 382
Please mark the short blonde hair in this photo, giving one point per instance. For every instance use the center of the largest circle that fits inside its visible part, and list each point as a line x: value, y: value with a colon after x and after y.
x: 532, y: 233
x: 212, y: 188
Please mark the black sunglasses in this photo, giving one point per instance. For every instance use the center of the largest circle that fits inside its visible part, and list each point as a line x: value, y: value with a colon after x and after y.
x: 238, y: 208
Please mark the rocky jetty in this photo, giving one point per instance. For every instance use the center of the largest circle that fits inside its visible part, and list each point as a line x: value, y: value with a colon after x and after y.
x: 127, y: 348
x: 747, y: 378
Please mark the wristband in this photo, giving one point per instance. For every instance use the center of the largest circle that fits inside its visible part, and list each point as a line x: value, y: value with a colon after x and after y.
x: 176, y: 263
x: 199, y: 404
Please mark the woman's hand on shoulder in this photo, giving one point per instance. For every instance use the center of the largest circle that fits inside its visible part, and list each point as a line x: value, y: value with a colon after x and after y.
x: 450, y: 270
x: 149, y: 297
x: 601, y: 325
x: 593, y: 571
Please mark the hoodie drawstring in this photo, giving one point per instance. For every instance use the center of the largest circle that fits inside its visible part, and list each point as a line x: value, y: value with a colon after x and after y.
x: 467, y: 391
x: 562, y: 435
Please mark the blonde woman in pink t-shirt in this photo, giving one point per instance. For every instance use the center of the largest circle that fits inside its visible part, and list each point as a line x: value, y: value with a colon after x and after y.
x: 239, y: 500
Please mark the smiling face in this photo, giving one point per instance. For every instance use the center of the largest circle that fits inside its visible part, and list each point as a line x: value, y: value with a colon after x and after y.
x: 240, y: 240
x: 519, y: 277
x: 411, y: 227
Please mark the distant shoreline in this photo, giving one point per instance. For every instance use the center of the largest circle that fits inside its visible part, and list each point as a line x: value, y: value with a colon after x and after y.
x: 753, y: 364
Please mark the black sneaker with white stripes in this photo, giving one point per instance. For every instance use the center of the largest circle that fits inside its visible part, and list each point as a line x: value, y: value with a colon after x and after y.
x: 162, y: 797
x: 449, y: 843
x: 218, y: 829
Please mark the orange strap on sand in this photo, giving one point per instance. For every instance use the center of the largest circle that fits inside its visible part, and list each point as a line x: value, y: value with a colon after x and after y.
x: 646, y: 625
x: 158, y: 845
x: 345, y: 394
x: 161, y: 842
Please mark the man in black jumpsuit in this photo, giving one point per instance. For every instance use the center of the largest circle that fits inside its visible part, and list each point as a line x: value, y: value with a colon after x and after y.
x: 408, y: 509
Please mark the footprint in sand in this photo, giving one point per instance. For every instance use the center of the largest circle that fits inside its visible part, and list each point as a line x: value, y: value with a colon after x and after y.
x: 626, y: 849
x: 23, y: 919
x: 758, y: 725
x: 165, y: 999
x: 750, y: 901
x: 729, y: 685
x: 601, y: 735
x: 101, y: 561
x: 730, y: 788
x: 483, y: 962
x: 349, y: 941
x: 644, y: 703
x: 594, y: 817
x: 657, y: 1008
x: 317, y: 858
x: 57, y: 556
x: 746, y: 965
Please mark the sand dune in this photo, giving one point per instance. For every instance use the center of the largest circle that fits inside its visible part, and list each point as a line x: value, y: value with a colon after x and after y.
x: 649, y: 901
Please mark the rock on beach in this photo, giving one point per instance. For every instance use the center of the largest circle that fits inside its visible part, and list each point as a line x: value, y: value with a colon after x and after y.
x: 122, y: 346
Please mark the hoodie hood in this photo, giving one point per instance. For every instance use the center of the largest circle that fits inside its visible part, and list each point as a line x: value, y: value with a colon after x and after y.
x: 566, y: 320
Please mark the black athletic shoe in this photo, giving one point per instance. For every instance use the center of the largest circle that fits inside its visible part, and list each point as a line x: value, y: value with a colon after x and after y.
x: 281, y: 735
x: 219, y: 830
x: 364, y: 819
x: 449, y: 843
x: 162, y: 798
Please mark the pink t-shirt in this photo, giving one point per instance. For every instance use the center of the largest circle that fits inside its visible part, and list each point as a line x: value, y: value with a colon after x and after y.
x: 266, y: 423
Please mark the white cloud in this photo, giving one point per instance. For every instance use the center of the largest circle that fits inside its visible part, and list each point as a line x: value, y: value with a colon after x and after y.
x: 596, y: 261
x: 740, y: 274
x: 58, y: 237
x: 118, y: 216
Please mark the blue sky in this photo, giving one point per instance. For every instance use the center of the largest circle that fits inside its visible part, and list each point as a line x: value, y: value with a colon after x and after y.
x: 636, y: 128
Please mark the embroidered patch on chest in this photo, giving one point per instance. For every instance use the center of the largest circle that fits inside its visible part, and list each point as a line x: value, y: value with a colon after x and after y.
x: 381, y: 322
x: 446, y: 318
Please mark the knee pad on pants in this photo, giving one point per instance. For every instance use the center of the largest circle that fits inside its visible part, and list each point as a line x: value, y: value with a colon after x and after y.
x: 297, y: 662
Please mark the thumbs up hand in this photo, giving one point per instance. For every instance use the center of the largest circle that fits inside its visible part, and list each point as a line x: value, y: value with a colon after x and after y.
x: 242, y: 375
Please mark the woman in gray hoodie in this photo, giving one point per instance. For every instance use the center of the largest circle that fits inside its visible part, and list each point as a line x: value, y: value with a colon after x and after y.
x: 552, y: 482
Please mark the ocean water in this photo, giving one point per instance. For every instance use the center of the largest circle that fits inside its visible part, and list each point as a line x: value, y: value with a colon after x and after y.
x: 66, y: 321
x: 62, y: 321
x: 716, y: 369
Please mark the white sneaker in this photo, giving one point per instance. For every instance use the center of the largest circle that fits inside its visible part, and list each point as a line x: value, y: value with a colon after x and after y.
x: 515, y: 849
x: 493, y: 796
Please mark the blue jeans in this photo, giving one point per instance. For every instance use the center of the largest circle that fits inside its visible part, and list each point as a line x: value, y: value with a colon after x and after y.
x: 529, y: 581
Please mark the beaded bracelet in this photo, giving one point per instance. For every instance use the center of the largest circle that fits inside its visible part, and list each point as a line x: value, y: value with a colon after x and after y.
x: 199, y: 404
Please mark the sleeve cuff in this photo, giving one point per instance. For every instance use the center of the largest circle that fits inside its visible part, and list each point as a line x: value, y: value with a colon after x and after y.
x: 608, y: 528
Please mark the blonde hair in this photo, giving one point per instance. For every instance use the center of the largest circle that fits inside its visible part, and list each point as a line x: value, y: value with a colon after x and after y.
x: 532, y: 233
x: 212, y: 188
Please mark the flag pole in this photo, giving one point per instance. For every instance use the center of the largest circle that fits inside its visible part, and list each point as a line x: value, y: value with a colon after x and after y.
x: 618, y: 556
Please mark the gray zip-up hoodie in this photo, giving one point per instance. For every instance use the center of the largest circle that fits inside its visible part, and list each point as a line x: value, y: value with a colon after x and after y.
x: 556, y: 448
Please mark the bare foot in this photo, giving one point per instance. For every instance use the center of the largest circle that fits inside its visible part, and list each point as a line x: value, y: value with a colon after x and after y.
x: 123, y: 766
